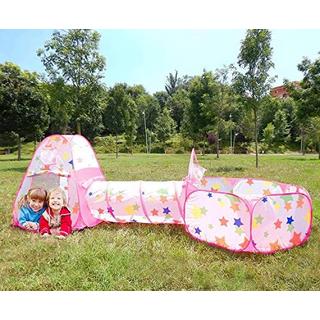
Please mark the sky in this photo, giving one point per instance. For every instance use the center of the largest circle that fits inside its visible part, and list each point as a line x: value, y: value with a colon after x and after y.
x: 147, y: 56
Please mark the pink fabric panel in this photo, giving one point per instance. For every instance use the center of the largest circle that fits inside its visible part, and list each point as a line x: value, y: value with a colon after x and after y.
x: 161, y: 200
x: 96, y: 197
x: 219, y: 219
x: 80, y: 207
x: 281, y: 222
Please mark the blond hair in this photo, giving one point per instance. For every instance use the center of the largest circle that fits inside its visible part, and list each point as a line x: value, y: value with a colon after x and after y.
x: 34, y: 194
x: 61, y: 191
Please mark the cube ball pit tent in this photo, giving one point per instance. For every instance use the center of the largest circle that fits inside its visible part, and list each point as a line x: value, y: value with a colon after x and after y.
x: 237, y: 214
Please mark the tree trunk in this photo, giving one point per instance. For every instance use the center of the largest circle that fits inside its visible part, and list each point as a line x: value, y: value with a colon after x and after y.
x: 117, y: 146
x: 217, y: 145
x: 19, y: 148
x: 78, y: 127
x: 256, y: 136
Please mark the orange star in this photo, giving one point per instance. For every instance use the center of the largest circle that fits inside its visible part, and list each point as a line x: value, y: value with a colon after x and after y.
x: 204, y: 181
x: 300, y: 202
x: 288, y: 206
x: 224, y: 221
x: 250, y: 182
x: 154, y: 212
x: 244, y: 244
x: 163, y: 199
x: 221, y: 242
x: 119, y: 197
x: 274, y: 245
x: 46, y: 167
x: 295, y: 240
x: 278, y: 224
x: 235, y: 207
x: 266, y: 192
x: 75, y: 208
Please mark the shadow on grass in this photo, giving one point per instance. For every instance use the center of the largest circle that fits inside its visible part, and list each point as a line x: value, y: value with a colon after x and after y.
x: 10, y: 160
x: 229, y: 169
x: 300, y: 159
x: 14, y: 169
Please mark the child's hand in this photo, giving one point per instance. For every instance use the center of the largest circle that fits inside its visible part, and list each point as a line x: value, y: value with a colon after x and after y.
x: 33, y: 225
x: 45, y: 235
x: 28, y: 226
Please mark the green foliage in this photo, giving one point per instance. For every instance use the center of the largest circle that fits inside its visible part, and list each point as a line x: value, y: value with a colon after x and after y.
x: 281, y: 128
x: 73, y: 56
x: 268, y: 134
x: 164, y: 126
x: 254, y: 83
x: 23, y: 106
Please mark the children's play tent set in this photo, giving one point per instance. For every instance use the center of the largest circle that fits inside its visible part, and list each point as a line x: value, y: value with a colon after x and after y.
x: 238, y: 214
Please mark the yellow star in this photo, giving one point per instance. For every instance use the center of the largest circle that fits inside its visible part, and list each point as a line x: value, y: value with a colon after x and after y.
x: 277, y: 206
x: 216, y: 187
x: 196, y: 212
x: 129, y: 209
x: 266, y: 192
x: 307, y: 217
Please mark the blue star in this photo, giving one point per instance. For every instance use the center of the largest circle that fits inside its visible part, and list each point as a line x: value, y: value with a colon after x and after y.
x: 197, y: 230
x: 237, y: 222
x: 166, y: 210
x: 90, y: 194
x: 264, y: 199
x: 289, y: 220
x: 71, y: 162
x: 210, y: 195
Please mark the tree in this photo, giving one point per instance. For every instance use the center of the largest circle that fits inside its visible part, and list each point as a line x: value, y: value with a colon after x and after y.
x: 281, y: 128
x: 255, y: 60
x: 73, y: 56
x: 218, y: 104
x: 23, y: 107
x: 165, y: 126
x: 314, y: 132
x: 172, y: 83
x: 177, y: 104
x: 268, y: 134
x: 120, y: 114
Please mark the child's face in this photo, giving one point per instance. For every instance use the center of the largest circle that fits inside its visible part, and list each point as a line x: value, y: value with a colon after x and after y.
x: 36, y: 204
x: 56, y: 201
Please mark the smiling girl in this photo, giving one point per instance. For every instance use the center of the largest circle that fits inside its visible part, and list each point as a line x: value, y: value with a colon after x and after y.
x: 56, y: 220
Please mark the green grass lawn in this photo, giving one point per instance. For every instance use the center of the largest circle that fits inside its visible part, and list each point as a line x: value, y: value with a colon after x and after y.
x: 157, y: 257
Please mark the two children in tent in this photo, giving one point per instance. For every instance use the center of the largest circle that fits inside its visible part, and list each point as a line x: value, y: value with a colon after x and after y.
x: 45, y: 213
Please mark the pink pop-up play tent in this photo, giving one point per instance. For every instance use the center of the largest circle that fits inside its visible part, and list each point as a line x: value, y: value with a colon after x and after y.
x: 67, y: 161
x: 238, y: 214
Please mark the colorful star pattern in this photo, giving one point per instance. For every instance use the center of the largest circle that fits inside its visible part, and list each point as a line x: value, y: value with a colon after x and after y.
x: 289, y: 220
x: 237, y: 222
x: 166, y: 210
x: 278, y: 224
x: 224, y: 222
x: 258, y: 219
x: 155, y: 212
x: 235, y: 207
x: 288, y: 206
x: 275, y: 245
x: 221, y: 242
x: 250, y: 182
x: 295, y: 240
x: 197, y: 230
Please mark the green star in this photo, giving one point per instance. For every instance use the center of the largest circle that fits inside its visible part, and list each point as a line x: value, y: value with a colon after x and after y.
x: 258, y: 219
x: 266, y: 234
x: 290, y: 227
x: 239, y: 231
x: 203, y: 210
x: 162, y: 191
x: 210, y: 226
x: 135, y: 207
x: 286, y: 198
